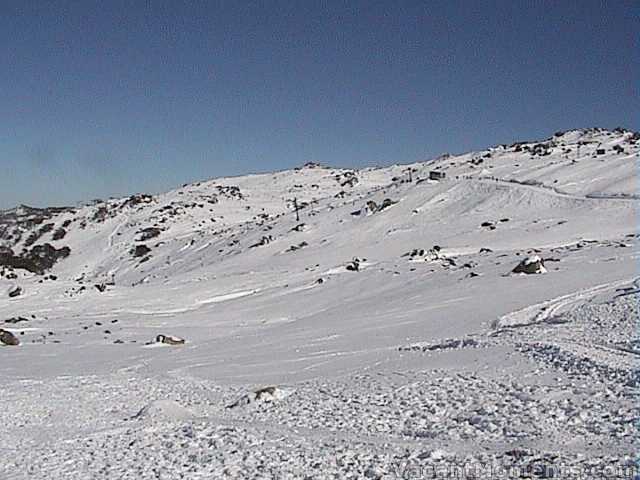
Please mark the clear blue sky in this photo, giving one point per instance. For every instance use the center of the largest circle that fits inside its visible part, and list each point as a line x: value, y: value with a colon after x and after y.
x: 101, y: 98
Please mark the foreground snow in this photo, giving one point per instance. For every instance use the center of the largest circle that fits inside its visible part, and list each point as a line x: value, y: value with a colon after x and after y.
x: 358, y: 342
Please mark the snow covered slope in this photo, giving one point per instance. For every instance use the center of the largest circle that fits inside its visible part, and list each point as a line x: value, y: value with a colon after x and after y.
x: 392, y: 292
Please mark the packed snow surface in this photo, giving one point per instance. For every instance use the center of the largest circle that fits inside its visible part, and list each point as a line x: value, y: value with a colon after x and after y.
x: 382, y: 334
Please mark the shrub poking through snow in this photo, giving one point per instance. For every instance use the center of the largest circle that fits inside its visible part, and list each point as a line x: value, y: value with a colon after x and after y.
x: 530, y: 265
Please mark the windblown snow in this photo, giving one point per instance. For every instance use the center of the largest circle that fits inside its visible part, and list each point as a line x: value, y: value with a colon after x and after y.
x: 386, y: 333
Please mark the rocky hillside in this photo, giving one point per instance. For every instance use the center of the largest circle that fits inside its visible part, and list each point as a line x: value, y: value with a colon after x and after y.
x: 476, y: 310
x: 143, y: 237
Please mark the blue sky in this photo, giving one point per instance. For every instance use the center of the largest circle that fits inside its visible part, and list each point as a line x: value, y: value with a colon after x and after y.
x: 101, y: 98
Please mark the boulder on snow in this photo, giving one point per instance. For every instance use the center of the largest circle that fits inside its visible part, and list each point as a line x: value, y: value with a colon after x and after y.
x: 167, y: 410
x: 148, y: 233
x: 372, y: 207
x: 265, y: 394
x: 293, y: 248
x: 140, y: 250
x: 530, y: 265
x: 420, y: 255
x: 8, y: 338
x: 15, y: 291
x: 169, y: 340
x: 369, y: 208
x: 265, y: 240
x: 354, y: 265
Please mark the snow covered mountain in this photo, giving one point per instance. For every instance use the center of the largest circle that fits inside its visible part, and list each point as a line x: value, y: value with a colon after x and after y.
x: 386, y: 317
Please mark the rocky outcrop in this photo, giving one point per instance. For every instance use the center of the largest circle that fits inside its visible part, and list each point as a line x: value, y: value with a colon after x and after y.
x: 530, y: 265
x: 148, y: 233
x: 38, y: 259
x: 140, y: 250
x: 8, y: 338
x: 372, y: 207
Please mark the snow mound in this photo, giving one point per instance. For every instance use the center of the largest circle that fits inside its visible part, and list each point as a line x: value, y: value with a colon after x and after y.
x: 168, y: 410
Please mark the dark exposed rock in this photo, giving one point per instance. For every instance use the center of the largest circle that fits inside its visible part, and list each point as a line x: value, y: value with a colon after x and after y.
x: 293, y: 248
x: 135, y: 200
x: 37, y: 260
x: 618, y: 149
x: 140, y: 250
x: 263, y: 241
x: 386, y: 203
x: 23, y: 220
x: 372, y: 207
x: 15, y: 292
x: 264, y: 394
x: 416, y: 252
x: 353, y: 265
x: 8, y: 338
x: 148, y: 233
x: 101, y: 214
x: 16, y: 320
x: 59, y: 234
x: 530, y: 265
x: 170, y: 340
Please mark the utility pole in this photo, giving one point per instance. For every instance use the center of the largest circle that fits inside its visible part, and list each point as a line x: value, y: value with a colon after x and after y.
x: 410, y: 177
x: 295, y: 205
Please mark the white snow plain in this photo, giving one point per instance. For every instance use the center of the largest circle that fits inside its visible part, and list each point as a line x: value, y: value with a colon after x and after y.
x: 430, y: 357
